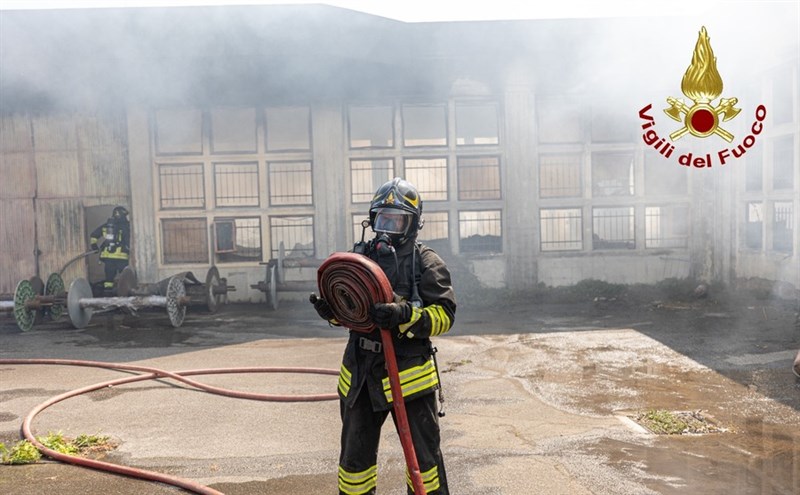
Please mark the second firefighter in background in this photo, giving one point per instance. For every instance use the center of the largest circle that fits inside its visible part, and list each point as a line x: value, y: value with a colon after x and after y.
x: 424, y: 306
x: 113, y: 241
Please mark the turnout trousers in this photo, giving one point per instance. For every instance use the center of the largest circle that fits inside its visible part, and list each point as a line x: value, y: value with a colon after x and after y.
x: 361, y: 431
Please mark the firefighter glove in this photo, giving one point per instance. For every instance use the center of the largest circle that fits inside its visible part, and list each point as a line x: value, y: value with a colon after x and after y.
x: 323, y: 308
x: 390, y: 315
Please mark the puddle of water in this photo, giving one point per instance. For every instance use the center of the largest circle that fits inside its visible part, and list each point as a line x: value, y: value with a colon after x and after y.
x: 762, y: 460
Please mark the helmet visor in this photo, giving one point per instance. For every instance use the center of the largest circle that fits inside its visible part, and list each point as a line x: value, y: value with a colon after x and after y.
x: 392, y: 221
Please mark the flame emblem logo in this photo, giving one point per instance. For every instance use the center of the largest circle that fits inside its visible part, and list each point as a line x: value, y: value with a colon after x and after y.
x: 702, y: 84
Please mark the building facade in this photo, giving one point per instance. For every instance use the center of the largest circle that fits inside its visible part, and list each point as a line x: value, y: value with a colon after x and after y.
x: 238, y: 135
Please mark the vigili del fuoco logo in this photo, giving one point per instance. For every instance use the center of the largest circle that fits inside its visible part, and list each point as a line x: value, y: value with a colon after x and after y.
x: 702, y: 84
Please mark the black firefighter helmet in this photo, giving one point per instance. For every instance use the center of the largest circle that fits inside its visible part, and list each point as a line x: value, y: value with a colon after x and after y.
x: 396, y: 210
x: 119, y: 213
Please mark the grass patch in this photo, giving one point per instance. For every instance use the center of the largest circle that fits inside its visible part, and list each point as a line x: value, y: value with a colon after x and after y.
x: 662, y: 422
x: 24, y: 452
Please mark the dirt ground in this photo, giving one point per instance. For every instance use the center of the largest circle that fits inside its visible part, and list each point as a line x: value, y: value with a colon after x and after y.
x: 536, y: 382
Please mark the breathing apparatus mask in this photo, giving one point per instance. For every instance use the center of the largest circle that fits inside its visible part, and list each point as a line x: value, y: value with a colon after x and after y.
x: 392, y: 227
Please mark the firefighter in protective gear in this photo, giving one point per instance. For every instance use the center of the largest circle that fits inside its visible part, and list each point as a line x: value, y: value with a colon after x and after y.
x: 424, y: 306
x: 112, y: 240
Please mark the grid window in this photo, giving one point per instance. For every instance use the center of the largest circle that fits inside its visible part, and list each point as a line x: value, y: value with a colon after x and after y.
x: 290, y: 183
x: 783, y: 168
x: 429, y: 176
x: 782, y: 227
x: 754, y: 171
x: 782, y: 97
x: 754, y: 226
x: 233, y: 130
x: 184, y: 240
x: 663, y: 178
x: 288, y: 129
x: 371, y: 126
x: 236, y: 184
x: 666, y: 226
x: 237, y: 239
x: 478, y: 178
x: 424, y: 125
x: 480, y: 232
x: 181, y: 186
x: 612, y: 228
x: 179, y: 131
x: 561, y: 229
x: 366, y: 176
x: 476, y: 124
x: 612, y: 174
x: 560, y: 176
x: 559, y: 121
x: 295, y: 234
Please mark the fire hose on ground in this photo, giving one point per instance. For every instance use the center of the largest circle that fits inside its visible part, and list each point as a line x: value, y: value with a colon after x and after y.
x: 351, y: 284
x: 148, y: 373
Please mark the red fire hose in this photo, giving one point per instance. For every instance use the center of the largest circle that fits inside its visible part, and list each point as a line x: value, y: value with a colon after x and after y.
x: 351, y: 284
x: 150, y: 374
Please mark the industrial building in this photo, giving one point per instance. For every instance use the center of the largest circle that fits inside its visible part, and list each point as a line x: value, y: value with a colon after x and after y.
x: 544, y: 150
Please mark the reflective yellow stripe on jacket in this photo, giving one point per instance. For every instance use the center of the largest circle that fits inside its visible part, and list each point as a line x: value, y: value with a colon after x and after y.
x: 413, y: 380
x: 440, y: 322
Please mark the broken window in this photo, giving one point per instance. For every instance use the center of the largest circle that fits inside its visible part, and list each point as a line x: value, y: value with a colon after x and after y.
x: 612, y: 174
x: 237, y: 239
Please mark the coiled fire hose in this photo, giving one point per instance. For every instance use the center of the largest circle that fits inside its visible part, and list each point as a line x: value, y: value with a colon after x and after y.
x: 351, y: 284
x: 148, y: 373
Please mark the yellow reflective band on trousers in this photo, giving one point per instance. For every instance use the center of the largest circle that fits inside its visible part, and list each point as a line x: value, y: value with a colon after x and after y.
x: 358, y: 483
x: 430, y: 479
x: 344, y: 381
x: 440, y: 322
x: 413, y: 380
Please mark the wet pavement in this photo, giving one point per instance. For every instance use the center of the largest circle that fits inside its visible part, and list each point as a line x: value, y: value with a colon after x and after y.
x: 540, y: 399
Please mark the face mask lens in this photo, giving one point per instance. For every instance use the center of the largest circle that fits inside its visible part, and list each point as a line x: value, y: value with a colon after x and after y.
x: 392, y: 221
